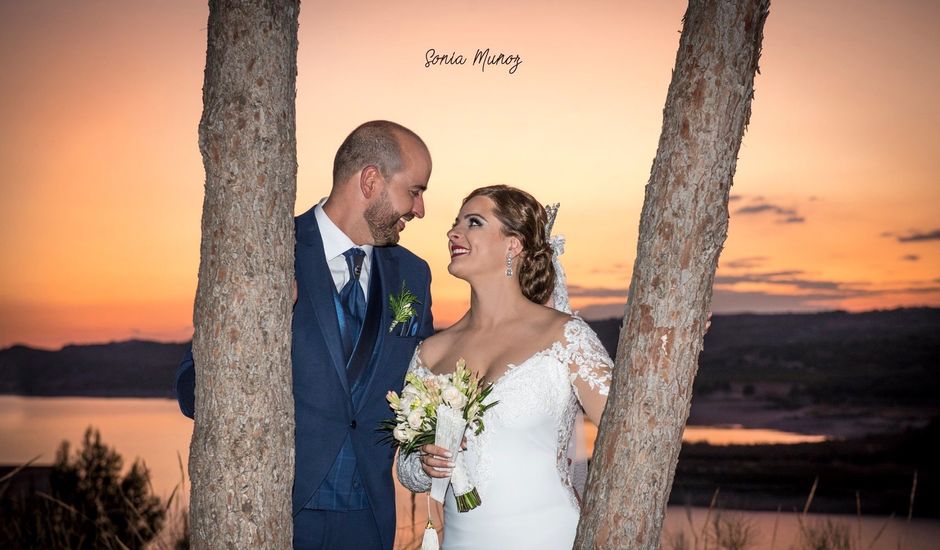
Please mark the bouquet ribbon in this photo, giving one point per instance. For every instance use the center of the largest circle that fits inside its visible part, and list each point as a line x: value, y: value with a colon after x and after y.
x: 449, y: 434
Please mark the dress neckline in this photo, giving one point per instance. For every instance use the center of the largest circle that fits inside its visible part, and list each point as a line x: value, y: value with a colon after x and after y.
x: 510, y: 367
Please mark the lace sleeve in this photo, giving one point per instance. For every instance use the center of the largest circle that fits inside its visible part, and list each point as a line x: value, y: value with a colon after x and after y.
x: 590, y: 367
x: 409, y: 469
x: 411, y: 475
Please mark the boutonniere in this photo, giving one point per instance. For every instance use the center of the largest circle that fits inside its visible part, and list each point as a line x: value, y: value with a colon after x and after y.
x: 402, y: 306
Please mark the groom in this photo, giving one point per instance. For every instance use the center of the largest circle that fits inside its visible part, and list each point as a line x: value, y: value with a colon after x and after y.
x: 346, y: 355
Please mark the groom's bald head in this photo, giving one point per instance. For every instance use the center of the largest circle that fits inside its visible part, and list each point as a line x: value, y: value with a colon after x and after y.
x: 377, y: 143
x: 380, y: 174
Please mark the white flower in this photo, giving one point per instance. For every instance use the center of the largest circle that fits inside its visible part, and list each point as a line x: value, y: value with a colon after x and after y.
x: 415, y: 418
x: 407, y: 403
x: 393, y: 400
x: 401, y: 433
x: 453, y: 397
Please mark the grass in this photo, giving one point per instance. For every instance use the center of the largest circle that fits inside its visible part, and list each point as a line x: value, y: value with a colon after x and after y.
x: 720, y: 530
x: 175, y: 532
x: 727, y: 531
x: 832, y: 535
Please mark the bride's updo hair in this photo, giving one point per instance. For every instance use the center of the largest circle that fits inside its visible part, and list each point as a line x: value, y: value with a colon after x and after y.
x: 524, y: 217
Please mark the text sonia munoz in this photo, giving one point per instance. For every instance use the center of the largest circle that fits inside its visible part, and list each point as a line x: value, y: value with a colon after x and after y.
x: 481, y: 58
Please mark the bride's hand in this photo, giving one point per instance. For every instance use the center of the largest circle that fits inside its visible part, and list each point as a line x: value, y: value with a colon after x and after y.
x: 438, y: 461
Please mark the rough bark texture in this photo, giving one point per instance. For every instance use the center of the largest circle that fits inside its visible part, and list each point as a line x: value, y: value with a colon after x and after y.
x: 682, y: 230
x: 242, y: 452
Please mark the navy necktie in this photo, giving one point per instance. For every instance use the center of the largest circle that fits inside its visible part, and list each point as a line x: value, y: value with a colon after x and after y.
x: 353, y: 300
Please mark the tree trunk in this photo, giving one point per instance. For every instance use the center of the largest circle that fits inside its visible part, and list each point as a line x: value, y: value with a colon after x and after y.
x: 682, y: 229
x: 242, y: 452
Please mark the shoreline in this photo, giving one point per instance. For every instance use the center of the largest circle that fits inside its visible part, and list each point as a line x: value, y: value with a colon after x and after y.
x: 836, y: 423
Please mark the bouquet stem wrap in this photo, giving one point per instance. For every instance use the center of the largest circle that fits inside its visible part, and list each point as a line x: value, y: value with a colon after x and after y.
x: 448, y: 434
x: 466, y: 494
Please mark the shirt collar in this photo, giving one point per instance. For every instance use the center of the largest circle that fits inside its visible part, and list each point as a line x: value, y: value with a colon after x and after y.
x: 335, y: 242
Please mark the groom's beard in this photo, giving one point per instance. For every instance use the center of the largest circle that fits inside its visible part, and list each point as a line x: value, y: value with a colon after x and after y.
x: 383, y: 221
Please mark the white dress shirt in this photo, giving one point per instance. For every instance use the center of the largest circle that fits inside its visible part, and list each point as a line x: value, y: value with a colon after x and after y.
x: 335, y: 242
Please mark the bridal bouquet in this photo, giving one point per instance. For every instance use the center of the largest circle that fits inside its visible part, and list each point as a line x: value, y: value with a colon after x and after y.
x: 438, y: 409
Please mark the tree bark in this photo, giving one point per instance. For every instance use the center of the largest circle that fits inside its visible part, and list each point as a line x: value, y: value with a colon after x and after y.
x: 242, y: 451
x: 682, y: 230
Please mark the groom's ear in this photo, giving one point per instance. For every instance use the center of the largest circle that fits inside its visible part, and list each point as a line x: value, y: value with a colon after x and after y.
x: 369, y: 178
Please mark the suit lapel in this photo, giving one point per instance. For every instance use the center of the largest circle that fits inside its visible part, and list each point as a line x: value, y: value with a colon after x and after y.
x: 313, y: 269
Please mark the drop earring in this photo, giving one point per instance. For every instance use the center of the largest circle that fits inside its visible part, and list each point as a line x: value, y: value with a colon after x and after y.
x: 509, y: 264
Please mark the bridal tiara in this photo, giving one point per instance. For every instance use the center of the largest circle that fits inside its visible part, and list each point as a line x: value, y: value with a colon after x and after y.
x: 552, y: 211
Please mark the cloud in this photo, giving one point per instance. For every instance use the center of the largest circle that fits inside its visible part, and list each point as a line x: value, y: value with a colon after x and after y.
x: 786, y: 215
x: 603, y: 311
x: 918, y: 237
x: 759, y: 277
x: 734, y: 198
x: 576, y: 291
x: 920, y: 290
x: 813, y: 290
x: 789, y: 278
x: 783, y: 278
x: 618, y: 268
x: 910, y: 257
x: 818, y: 289
x: 744, y: 263
x: 761, y: 208
x: 728, y: 301
x: 790, y: 290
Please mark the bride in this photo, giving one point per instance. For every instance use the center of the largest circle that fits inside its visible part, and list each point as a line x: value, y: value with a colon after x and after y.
x: 544, y: 365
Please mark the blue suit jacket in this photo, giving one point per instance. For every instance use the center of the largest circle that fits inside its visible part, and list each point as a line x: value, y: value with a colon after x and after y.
x: 325, y: 412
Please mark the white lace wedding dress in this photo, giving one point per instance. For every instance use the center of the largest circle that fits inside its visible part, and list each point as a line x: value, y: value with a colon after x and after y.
x: 519, y: 463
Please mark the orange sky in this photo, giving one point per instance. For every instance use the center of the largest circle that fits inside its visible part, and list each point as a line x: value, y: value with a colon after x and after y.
x: 836, y: 197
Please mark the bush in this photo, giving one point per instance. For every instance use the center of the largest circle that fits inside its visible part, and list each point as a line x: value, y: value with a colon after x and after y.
x: 89, y: 504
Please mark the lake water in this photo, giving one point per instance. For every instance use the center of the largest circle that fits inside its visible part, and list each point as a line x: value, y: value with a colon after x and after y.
x: 155, y: 431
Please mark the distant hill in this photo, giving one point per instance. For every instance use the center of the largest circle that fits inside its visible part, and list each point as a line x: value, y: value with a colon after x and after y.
x: 832, y: 357
x: 837, y: 358
x: 122, y: 369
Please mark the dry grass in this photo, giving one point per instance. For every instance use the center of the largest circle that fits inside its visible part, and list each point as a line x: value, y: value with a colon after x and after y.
x: 828, y: 534
x: 175, y: 532
x: 720, y: 530
x: 723, y: 531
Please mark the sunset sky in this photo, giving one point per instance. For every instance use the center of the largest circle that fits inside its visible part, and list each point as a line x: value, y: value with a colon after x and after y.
x: 836, y: 202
